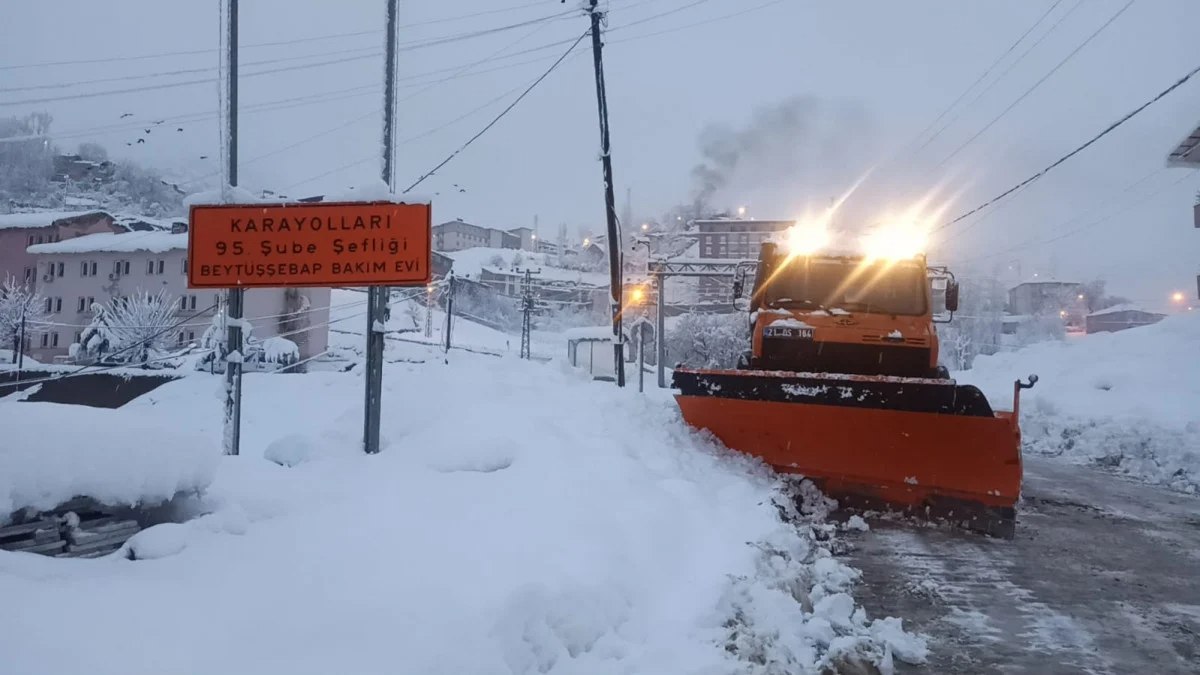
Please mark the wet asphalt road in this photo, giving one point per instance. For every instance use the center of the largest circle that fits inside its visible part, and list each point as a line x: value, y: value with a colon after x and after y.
x: 1103, y: 576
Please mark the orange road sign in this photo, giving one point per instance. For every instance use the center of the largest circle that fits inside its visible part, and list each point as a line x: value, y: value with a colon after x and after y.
x: 317, y: 244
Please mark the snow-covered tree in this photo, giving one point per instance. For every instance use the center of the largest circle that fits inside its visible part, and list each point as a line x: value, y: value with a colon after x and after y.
x: 143, y: 325
x: 97, y: 339
x: 977, y: 326
x: 18, y: 300
x: 708, y: 340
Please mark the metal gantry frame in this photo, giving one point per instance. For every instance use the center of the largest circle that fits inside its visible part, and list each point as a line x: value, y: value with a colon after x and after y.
x: 660, y: 271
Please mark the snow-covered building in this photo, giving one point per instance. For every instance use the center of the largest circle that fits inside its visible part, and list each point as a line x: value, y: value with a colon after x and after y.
x: 1121, y: 317
x: 19, y: 231
x: 98, y: 268
x: 1045, y: 297
x: 457, y: 235
x: 730, y: 239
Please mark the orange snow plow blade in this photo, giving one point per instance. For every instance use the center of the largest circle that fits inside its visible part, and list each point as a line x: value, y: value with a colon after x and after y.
x: 928, y: 447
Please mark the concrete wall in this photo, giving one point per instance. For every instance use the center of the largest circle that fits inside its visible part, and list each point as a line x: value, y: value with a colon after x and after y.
x: 75, y: 291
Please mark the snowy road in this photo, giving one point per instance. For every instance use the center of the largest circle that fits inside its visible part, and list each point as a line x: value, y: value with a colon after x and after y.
x: 1101, y: 578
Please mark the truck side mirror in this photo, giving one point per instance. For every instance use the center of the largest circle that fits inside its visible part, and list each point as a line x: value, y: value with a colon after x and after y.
x: 952, y: 296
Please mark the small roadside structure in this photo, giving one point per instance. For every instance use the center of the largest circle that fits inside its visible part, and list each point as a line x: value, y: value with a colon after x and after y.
x: 590, y: 347
x: 1121, y: 317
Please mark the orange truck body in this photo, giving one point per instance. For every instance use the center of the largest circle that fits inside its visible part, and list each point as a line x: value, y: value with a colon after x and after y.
x: 854, y: 401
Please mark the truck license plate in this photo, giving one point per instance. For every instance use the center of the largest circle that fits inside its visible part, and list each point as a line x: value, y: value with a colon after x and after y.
x: 785, y: 332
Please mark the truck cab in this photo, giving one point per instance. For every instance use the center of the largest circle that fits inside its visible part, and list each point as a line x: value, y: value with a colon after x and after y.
x: 835, y: 313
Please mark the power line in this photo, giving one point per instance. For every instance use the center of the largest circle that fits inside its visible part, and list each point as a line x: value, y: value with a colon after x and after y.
x: 970, y: 226
x: 1110, y: 215
x: 502, y: 113
x: 1037, y: 84
x: 1008, y: 69
x: 1109, y: 129
x: 190, y: 52
x: 132, y: 346
x: 315, y: 38
x: 985, y: 73
x: 371, y: 54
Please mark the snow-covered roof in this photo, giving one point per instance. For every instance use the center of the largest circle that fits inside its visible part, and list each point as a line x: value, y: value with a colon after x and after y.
x: 1124, y: 307
x: 123, y: 242
x: 472, y: 261
x: 33, y: 219
x: 589, y: 333
x: 135, y: 222
x: 81, y: 202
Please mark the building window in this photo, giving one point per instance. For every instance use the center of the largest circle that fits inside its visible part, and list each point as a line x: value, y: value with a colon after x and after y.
x: 120, y: 267
x: 185, y: 301
x: 87, y: 268
x: 54, y: 339
x: 81, y: 306
x: 30, y: 273
x: 78, y: 337
x: 45, y: 340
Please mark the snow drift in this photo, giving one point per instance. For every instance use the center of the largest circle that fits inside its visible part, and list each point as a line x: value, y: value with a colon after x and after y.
x: 1124, y: 400
x: 520, y: 519
x: 50, y: 453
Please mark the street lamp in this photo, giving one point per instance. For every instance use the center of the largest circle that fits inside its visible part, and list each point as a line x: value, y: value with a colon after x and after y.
x: 1177, y: 296
x: 645, y: 226
x: 741, y: 211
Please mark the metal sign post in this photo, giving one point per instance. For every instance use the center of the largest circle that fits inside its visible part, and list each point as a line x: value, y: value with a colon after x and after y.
x: 375, y: 244
x: 378, y: 312
x: 235, y: 296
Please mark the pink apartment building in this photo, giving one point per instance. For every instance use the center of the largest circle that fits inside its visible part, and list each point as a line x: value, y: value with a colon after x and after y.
x: 72, y: 273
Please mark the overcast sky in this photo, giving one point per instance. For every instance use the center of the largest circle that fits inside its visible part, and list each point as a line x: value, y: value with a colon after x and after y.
x: 808, y: 95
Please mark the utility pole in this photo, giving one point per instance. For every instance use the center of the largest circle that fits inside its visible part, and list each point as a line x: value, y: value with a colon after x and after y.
x: 449, y: 312
x: 527, y: 306
x: 378, y: 311
x: 21, y: 338
x: 614, y: 238
x: 235, y: 296
x: 429, y: 311
x: 660, y: 327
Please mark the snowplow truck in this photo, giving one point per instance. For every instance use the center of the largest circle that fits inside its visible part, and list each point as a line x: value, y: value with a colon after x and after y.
x: 841, y: 384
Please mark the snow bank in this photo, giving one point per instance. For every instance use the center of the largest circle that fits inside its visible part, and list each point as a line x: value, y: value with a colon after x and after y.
x: 50, y: 453
x: 116, y: 242
x: 1124, y: 400
x: 520, y: 519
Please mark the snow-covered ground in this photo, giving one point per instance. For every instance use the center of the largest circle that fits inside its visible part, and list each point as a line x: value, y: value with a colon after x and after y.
x: 1125, y: 400
x: 520, y: 518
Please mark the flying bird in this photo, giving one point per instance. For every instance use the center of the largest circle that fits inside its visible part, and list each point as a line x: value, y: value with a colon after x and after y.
x: 179, y: 129
x: 147, y: 131
x: 203, y: 156
x: 141, y: 140
x: 126, y: 115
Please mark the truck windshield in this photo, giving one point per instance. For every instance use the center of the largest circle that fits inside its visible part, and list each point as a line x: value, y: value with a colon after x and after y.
x: 877, y: 287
